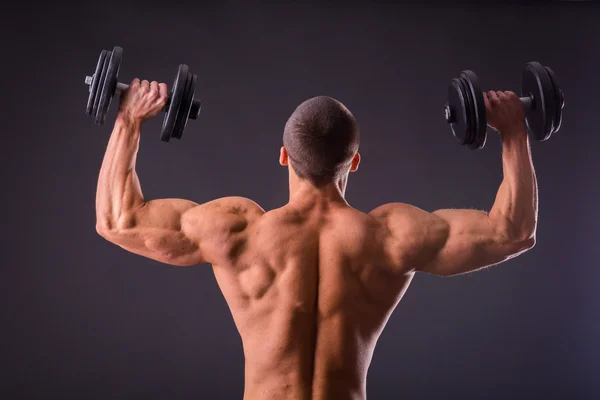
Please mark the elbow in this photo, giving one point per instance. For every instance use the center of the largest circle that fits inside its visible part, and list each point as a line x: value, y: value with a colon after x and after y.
x: 102, y: 230
x: 526, y: 238
x: 518, y: 241
x: 522, y: 243
x: 103, y: 226
x: 108, y: 226
x: 528, y: 243
x: 521, y: 236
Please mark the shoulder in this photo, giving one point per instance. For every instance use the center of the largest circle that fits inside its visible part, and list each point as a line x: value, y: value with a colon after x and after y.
x: 392, y: 214
x: 402, y: 218
x: 236, y: 205
x: 232, y: 213
x: 410, y: 231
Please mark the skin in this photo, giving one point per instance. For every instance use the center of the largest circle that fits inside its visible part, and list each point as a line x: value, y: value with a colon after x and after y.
x: 312, y: 284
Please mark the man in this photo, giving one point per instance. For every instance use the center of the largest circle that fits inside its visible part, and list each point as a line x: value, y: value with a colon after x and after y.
x: 311, y: 285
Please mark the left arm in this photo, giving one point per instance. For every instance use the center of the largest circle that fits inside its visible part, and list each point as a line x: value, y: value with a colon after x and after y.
x: 118, y: 191
x: 155, y: 229
x: 123, y: 217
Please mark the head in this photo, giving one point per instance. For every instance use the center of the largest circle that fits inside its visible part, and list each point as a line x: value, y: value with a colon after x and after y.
x: 320, y: 142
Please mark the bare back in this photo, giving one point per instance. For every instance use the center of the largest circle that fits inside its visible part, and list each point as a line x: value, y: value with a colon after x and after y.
x: 310, y: 292
x: 311, y: 287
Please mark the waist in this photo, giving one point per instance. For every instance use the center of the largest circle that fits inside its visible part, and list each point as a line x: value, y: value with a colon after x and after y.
x: 298, y: 385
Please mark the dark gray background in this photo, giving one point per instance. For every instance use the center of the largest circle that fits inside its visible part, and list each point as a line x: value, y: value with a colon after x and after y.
x: 83, y: 319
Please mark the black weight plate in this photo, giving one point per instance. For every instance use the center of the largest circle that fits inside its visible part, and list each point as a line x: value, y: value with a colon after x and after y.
x: 459, y: 122
x: 186, y: 105
x: 479, y: 115
x: 94, y: 84
x: 559, y: 101
x: 174, y: 103
x: 471, y: 120
x: 478, y: 137
x: 535, y: 82
x: 101, y: 79
x: 181, y: 111
x: 110, y: 84
x: 196, y: 107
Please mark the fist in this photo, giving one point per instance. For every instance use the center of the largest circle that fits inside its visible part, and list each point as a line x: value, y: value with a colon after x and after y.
x: 505, y: 112
x: 143, y: 100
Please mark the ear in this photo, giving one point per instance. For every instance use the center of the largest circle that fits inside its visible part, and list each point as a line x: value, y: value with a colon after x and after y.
x: 283, y: 156
x: 355, y: 162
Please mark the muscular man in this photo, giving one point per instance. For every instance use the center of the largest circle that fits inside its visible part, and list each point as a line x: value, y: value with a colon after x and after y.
x: 312, y: 284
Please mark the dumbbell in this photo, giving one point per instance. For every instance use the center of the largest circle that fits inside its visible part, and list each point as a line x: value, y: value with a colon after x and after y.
x: 543, y: 100
x: 103, y: 85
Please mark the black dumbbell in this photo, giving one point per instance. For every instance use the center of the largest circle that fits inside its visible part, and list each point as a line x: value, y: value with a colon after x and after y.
x: 103, y: 85
x: 541, y: 95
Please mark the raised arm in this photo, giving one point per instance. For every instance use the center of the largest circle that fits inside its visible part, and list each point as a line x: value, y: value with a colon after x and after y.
x: 475, y: 239
x: 454, y: 241
x: 172, y: 231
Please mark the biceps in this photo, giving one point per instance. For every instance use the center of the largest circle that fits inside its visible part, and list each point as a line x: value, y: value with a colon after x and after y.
x: 164, y: 245
x: 154, y: 230
x: 468, y: 253
x: 473, y: 241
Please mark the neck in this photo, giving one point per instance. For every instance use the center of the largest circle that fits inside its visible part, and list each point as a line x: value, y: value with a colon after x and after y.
x: 302, y: 192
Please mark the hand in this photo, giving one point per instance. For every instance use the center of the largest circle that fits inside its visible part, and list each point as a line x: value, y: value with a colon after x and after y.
x: 143, y: 100
x: 505, y: 113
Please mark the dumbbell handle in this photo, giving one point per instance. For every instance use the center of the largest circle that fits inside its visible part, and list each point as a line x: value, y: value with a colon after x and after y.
x: 527, y: 101
x: 450, y: 118
x: 121, y: 87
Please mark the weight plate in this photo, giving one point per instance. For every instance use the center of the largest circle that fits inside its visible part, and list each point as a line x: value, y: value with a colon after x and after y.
x: 182, y: 106
x: 110, y: 84
x: 175, y: 99
x: 535, y: 82
x: 558, y: 100
x: 456, y: 111
x: 101, y: 79
x: 186, y: 105
x: 196, y: 107
x: 470, y: 138
x: 479, y: 130
x: 94, y: 84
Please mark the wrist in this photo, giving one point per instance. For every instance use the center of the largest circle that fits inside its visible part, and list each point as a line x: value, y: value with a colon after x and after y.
x: 127, y: 120
x: 518, y: 136
x: 515, y: 145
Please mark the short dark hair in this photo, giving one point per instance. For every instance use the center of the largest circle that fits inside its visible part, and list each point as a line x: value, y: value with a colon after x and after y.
x: 321, y: 137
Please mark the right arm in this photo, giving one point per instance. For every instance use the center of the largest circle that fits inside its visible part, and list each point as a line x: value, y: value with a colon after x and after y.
x: 469, y: 240
x: 452, y: 241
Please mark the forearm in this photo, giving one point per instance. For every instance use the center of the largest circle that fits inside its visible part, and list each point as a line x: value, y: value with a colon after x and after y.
x: 118, y: 189
x: 516, y: 205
